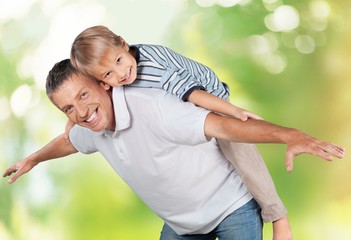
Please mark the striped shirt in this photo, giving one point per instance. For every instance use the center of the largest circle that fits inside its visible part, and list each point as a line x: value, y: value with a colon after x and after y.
x: 161, y: 67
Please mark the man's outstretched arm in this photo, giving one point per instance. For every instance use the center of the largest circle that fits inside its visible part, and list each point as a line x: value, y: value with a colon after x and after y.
x: 259, y: 131
x: 59, y: 147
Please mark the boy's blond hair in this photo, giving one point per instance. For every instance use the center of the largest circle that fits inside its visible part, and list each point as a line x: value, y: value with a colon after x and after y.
x: 89, y: 47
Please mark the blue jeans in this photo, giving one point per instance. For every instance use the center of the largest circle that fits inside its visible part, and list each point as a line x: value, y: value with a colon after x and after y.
x: 244, y: 223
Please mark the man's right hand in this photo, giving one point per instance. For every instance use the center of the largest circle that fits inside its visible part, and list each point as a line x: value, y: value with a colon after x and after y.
x: 19, y: 169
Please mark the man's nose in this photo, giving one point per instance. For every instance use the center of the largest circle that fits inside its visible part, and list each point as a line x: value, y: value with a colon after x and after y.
x: 82, y: 111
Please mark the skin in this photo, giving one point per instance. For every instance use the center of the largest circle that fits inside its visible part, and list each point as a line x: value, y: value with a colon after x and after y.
x: 89, y: 105
x: 117, y: 67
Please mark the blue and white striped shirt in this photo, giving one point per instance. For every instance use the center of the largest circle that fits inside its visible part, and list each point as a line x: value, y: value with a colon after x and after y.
x: 161, y: 67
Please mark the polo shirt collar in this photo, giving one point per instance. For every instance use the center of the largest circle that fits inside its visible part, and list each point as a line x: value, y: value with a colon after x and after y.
x: 122, y: 116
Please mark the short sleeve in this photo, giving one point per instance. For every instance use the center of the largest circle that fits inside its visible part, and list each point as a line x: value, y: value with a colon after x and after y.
x: 182, y: 122
x: 82, y: 139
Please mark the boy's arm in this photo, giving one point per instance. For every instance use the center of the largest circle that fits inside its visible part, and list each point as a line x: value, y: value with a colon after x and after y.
x: 259, y: 131
x: 59, y: 147
x: 206, y: 100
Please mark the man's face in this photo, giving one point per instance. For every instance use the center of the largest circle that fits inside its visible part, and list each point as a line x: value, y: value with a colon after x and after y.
x: 85, y: 103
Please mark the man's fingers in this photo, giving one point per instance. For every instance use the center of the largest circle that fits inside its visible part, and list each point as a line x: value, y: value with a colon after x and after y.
x: 14, y: 178
x: 340, y: 151
x: 289, y: 161
x: 329, y: 150
x: 17, y: 174
x: 9, y: 171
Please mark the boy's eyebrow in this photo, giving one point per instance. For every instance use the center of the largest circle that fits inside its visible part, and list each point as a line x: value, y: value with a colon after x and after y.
x: 114, y: 59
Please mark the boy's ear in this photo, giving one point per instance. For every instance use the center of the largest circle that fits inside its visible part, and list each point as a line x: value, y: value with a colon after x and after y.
x: 124, y: 44
x: 105, y: 86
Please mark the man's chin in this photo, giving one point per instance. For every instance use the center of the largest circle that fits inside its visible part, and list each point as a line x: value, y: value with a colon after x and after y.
x: 95, y: 128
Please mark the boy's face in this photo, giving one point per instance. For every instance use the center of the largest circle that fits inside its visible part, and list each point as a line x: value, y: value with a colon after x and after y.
x: 85, y: 103
x: 117, y: 67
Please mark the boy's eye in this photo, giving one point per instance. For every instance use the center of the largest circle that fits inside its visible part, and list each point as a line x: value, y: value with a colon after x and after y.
x: 107, y: 74
x: 118, y: 60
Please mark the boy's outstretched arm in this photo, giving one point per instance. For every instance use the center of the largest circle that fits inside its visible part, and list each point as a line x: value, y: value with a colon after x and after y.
x: 259, y: 131
x: 206, y: 100
x: 59, y: 147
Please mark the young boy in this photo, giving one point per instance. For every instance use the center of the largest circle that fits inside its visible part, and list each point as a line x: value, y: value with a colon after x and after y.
x: 100, y: 53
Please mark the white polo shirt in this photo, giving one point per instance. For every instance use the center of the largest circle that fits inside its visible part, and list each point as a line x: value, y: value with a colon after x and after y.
x: 160, y: 150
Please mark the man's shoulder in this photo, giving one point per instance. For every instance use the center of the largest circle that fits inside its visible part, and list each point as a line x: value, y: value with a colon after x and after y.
x: 145, y: 93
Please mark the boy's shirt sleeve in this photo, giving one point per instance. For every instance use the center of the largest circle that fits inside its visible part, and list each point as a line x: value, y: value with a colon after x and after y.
x: 161, y: 67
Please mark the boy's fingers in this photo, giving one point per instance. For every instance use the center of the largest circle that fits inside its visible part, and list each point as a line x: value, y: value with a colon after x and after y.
x: 244, y: 118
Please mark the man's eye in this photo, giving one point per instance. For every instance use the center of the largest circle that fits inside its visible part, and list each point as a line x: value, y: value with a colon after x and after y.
x: 67, y: 110
x: 118, y: 60
x: 84, y: 95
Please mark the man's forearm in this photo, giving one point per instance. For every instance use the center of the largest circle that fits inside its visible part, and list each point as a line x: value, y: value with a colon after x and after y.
x: 251, y: 131
x: 259, y: 131
x: 57, y: 148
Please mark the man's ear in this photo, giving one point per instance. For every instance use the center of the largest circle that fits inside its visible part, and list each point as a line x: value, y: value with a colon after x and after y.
x: 105, y: 86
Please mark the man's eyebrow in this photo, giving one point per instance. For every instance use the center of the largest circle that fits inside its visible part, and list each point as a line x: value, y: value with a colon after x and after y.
x: 64, y: 107
x: 75, y: 97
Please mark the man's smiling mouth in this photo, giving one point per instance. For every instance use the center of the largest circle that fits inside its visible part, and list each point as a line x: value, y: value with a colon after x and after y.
x: 92, y: 117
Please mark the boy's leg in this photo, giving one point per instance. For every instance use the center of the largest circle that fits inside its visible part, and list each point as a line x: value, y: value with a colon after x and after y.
x: 255, y: 175
x: 244, y: 223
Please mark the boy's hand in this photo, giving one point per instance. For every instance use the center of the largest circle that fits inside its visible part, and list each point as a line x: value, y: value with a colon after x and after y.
x: 68, y: 127
x: 243, y: 114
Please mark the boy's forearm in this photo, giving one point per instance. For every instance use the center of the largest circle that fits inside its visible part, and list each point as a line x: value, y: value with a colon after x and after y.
x: 206, y: 100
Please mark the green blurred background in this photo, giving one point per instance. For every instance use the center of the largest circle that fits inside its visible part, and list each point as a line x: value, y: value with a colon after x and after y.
x: 287, y: 61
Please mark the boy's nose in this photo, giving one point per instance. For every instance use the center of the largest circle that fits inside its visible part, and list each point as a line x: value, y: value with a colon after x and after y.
x: 120, y: 73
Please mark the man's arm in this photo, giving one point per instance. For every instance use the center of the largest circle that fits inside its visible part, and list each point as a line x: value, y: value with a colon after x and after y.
x: 259, y: 131
x: 59, y: 147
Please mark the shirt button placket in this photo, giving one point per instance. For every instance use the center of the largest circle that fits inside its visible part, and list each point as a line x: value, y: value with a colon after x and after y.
x: 119, y: 149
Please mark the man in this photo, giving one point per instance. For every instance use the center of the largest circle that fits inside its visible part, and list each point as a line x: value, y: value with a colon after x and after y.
x: 165, y: 150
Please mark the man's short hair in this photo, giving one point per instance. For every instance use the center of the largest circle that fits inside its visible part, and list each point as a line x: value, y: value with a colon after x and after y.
x: 60, y: 72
